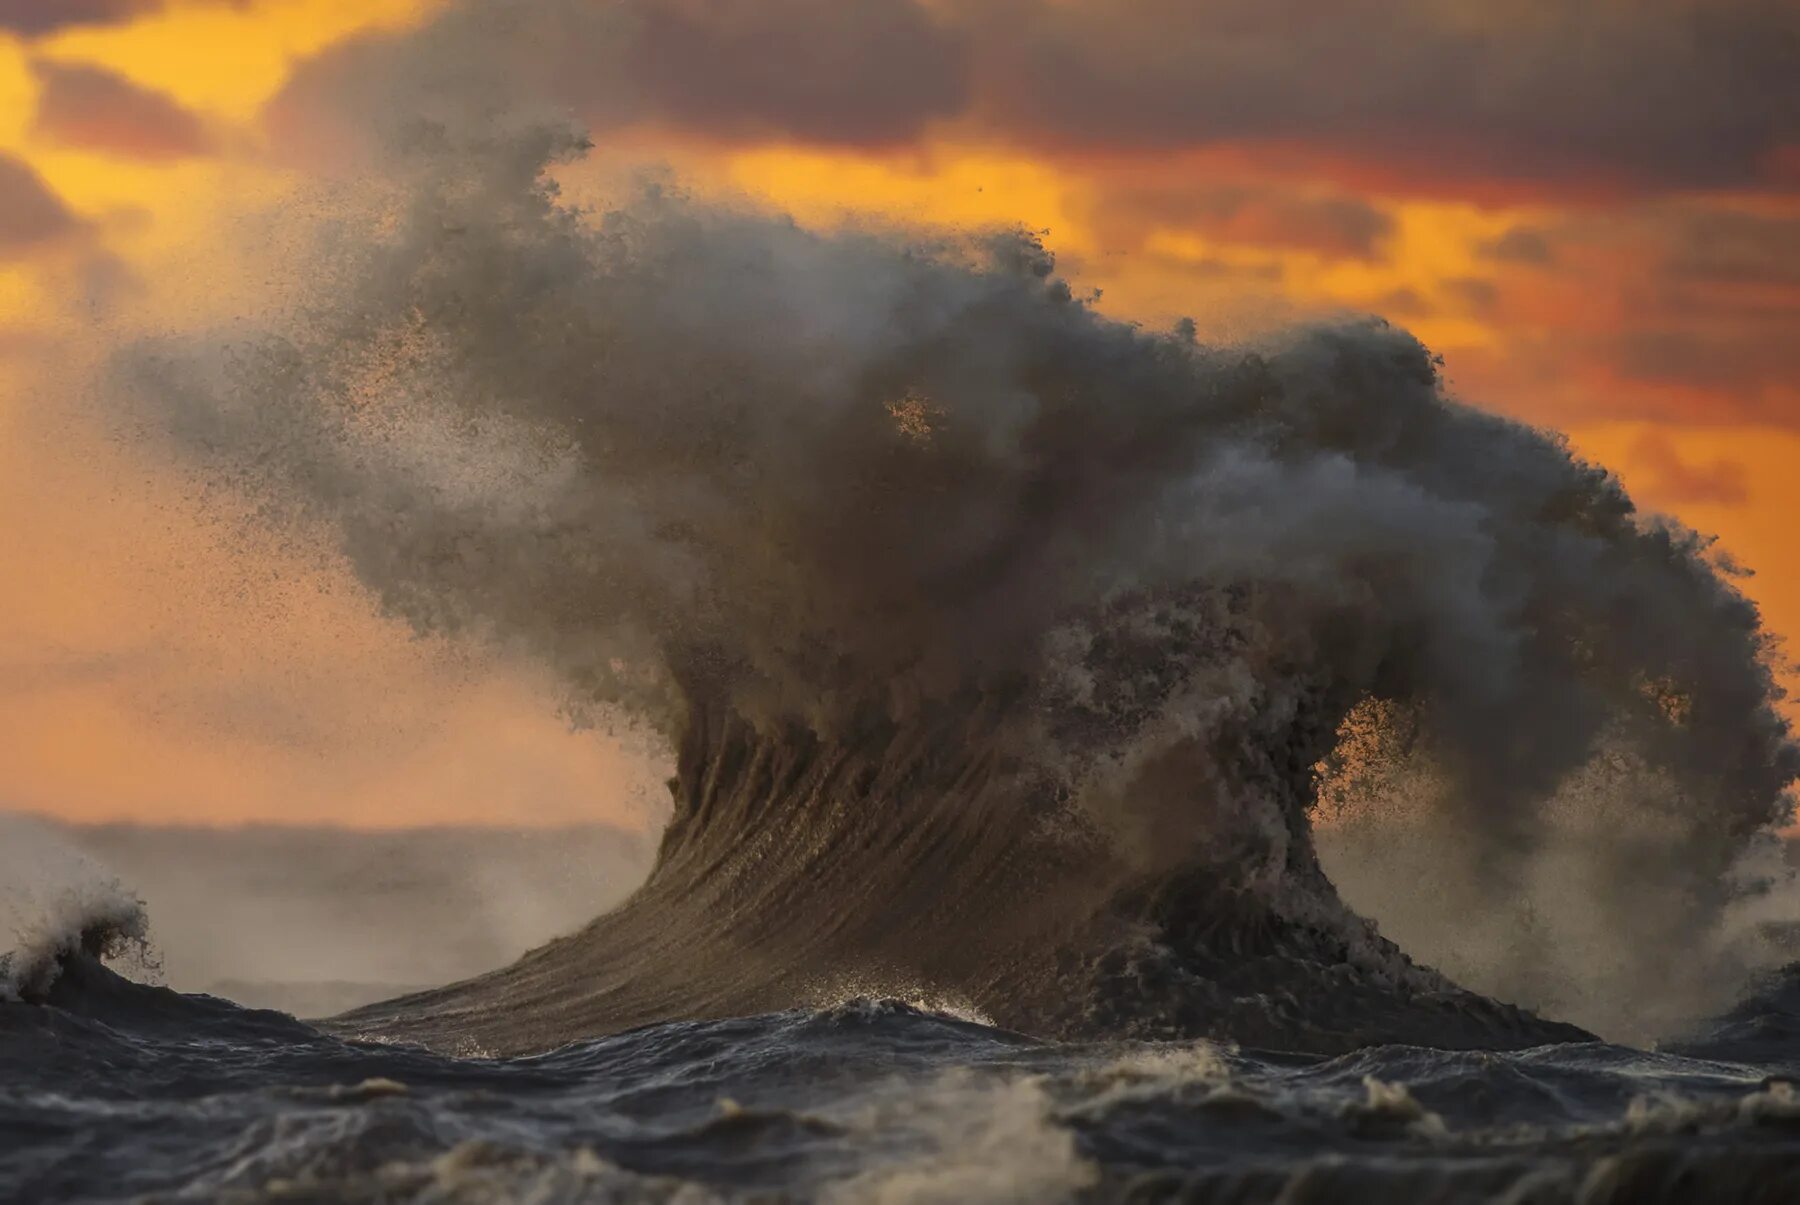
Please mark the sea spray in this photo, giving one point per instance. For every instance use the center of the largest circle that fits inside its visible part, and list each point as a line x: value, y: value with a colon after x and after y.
x: 56, y: 903
x: 999, y: 643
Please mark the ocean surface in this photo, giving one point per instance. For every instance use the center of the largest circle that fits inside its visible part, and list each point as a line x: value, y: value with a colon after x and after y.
x: 111, y: 1090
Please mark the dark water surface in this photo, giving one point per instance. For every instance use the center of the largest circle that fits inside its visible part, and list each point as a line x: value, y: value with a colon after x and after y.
x: 117, y: 1091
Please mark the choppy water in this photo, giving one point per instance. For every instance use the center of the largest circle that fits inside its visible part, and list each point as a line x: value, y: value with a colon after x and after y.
x: 116, y: 1091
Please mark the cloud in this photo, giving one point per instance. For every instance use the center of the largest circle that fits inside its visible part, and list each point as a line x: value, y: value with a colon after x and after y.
x: 31, y: 18
x: 1473, y: 293
x: 30, y: 214
x: 1714, y: 302
x: 1673, y: 481
x: 1668, y: 92
x: 1683, y: 308
x: 1740, y: 360
x: 1333, y: 225
x: 1662, y: 94
x: 1520, y: 245
x: 1733, y: 247
x: 817, y: 71
x: 875, y: 71
x: 94, y: 109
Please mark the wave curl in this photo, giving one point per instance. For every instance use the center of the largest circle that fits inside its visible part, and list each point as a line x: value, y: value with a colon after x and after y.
x: 1000, y: 643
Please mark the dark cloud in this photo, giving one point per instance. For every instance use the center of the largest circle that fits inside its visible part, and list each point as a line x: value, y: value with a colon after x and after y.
x: 1734, y: 247
x: 1674, y: 481
x: 1739, y: 359
x: 34, y: 17
x: 94, y: 109
x: 1658, y: 94
x: 1661, y: 92
x: 30, y: 214
x: 1473, y: 293
x: 1333, y: 225
x: 1716, y: 306
x: 1698, y: 300
x: 822, y: 70
x: 819, y: 71
x: 1715, y: 254
x: 1520, y: 245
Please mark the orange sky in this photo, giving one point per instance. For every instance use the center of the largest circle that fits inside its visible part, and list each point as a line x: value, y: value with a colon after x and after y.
x: 1627, y: 270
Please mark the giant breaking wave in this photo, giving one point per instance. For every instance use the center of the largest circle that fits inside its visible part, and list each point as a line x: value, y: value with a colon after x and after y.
x: 1002, y: 646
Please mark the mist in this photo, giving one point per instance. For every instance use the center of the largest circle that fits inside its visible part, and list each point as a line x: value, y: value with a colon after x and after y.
x: 312, y: 921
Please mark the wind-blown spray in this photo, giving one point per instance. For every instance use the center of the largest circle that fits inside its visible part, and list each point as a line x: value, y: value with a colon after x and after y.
x: 1000, y: 642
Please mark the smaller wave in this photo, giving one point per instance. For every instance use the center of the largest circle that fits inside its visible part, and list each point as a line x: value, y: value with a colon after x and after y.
x: 56, y: 904
x: 29, y: 970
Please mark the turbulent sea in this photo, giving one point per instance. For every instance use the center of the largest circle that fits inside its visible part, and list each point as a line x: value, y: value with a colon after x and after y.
x: 110, y: 1090
x: 1260, y: 773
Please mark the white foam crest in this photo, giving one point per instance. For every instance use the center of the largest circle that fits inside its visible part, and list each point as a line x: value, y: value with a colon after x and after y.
x: 56, y: 902
x: 983, y: 1139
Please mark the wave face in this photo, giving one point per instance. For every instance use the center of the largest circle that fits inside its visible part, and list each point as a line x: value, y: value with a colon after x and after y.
x: 1000, y: 643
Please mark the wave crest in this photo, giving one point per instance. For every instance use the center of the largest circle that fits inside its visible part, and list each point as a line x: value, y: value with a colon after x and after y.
x: 55, y: 904
x: 999, y: 641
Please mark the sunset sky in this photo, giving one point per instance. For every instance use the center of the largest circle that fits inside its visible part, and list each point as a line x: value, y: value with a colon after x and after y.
x: 1590, y: 210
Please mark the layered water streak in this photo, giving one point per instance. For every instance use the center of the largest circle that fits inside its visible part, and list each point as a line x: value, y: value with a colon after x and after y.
x: 999, y: 641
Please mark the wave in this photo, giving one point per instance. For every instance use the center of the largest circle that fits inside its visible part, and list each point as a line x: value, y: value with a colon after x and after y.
x: 1002, y: 646
x: 32, y: 968
x: 867, y: 1100
x: 57, y: 905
